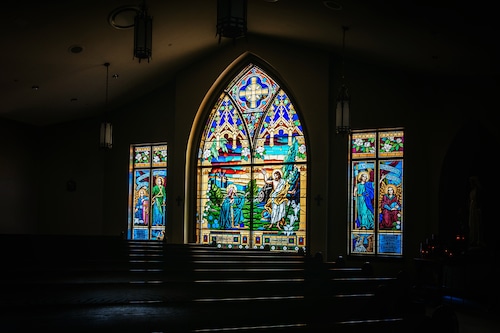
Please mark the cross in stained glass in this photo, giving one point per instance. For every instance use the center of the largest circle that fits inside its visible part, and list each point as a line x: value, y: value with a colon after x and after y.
x: 253, y: 92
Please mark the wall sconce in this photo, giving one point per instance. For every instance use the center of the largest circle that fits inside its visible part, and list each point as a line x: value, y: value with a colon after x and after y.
x: 143, y: 30
x: 342, y: 111
x: 106, y: 135
x: 231, y: 18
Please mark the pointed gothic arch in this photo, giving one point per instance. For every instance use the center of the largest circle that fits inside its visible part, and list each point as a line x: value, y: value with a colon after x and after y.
x: 251, y: 164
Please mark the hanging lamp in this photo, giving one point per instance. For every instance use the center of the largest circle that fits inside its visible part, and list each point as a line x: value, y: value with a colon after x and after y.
x: 231, y: 19
x: 143, y: 31
x: 106, y: 137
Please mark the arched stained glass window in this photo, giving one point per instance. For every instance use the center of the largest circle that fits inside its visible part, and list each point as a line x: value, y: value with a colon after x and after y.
x: 376, y: 214
x: 252, y: 170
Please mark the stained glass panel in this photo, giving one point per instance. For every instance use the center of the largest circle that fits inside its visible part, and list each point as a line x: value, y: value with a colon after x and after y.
x: 253, y: 90
x: 390, y: 195
x: 363, y: 195
x: 391, y: 144
x: 363, y: 145
x: 142, y: 157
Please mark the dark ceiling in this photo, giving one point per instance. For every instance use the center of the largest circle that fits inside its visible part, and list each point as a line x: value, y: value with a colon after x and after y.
x: 38, y: 38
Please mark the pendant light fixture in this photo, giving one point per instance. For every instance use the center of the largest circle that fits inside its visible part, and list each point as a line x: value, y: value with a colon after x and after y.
x: 342, y: 111
x: 143, y: 30
x: 231, y: 19
x: 106, y: 137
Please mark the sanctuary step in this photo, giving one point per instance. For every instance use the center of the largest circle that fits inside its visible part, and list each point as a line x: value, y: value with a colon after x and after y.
x: 150, y: 286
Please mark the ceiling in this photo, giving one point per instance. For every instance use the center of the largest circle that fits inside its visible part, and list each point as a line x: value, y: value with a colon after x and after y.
x: 43, y: 82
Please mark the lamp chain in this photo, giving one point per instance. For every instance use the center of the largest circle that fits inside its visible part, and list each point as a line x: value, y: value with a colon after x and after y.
x: 107, y: 84
x: 343, y: 100
x: 344, y: 28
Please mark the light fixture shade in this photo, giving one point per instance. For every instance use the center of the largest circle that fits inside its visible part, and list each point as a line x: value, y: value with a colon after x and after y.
x: 342, y: 116
x: 106, y: 138
x: 231, y: 18
x: 143, y: 40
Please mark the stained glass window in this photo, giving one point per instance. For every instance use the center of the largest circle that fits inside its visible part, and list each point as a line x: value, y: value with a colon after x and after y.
x: 376, y: 177
x: 147, y: 192
x: 252, y: 170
